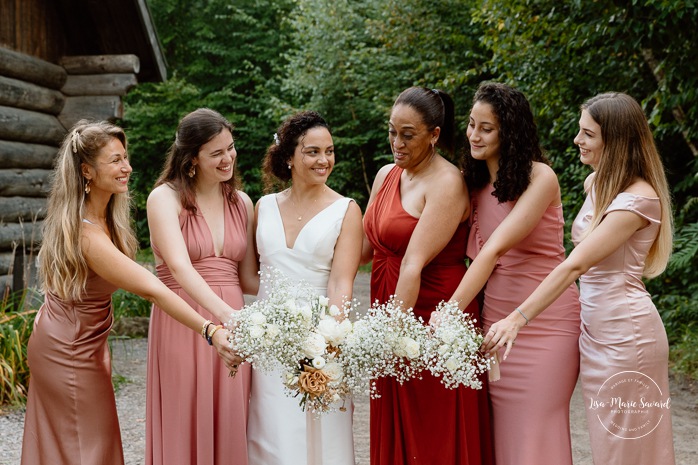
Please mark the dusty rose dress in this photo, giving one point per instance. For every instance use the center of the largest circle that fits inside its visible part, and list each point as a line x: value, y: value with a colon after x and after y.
x: 624, y: 348
x: 71, y: 412
x: 195, y: 413
x: 531, y: 401
x: 421, y: 422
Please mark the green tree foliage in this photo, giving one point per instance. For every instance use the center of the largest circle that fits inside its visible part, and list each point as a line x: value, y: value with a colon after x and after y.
x: 257, y: 61
x: 222, y: 55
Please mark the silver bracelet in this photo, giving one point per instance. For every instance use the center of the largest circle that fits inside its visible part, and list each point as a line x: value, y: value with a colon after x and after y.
x: 524, y: 316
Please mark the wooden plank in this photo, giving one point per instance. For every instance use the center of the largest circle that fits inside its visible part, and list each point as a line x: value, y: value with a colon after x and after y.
x: 23, y: 155
x: 99, y: 84
x: 7, y: 259
x: 28, y: 68
x: 24, y: 183
x: 96, y: 108
x: 27, y: 233
x: 13, y: 209
x: 30, y: 126
x: 101, y: 64
x: 21, y: 94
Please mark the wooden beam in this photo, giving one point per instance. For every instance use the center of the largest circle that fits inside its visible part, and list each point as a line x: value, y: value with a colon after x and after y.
x: 24, y: 183
x: 101, y: 64
x: 96, y: 108
x: 28, y: 68
x: 23, y: 155
x: 30, y: 126
x: 20, y: 94
x: 13, y: 209
x: 99, y: 84
x: 27, y: 233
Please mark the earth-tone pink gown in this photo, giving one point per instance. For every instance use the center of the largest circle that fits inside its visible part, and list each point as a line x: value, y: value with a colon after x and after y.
x: 195, y: 413
x: 531, y: 401
x: 421, y: 421
x: 71, y: 412
x: 624, y: 348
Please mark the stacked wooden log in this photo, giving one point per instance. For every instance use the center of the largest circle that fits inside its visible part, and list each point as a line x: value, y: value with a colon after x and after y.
x: 39, y: 102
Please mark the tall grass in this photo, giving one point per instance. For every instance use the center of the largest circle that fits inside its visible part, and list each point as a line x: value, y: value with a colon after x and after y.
x: 17, y: 312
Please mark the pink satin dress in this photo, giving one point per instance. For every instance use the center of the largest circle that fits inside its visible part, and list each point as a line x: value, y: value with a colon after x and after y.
x: 195, y: 413
x: 531, y: 400
x: 624, y: 348
x: 71, y: 412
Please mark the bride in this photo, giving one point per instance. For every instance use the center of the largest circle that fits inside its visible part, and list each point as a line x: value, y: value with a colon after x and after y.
x: 310, y: 233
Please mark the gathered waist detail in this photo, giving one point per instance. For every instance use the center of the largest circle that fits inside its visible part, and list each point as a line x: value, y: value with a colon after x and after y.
x: 216, y: 271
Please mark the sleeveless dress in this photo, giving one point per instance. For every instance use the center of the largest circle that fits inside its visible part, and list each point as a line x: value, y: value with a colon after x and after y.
x: 421, y: 421
x: 624, y: 348
x: 279, y: 432
x: 531, y: 400
x: 195, y: 413
x: 71, y: 412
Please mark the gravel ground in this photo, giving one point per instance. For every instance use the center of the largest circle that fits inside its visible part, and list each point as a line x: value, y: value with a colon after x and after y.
x: 129, y: 356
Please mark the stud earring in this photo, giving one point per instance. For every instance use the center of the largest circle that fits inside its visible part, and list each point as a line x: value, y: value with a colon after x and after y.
x: 87, y: 187
x: 289, y: 166
x: 192, y: 171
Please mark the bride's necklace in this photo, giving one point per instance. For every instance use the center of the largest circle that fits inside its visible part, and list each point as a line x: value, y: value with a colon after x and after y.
x: 299, y: 216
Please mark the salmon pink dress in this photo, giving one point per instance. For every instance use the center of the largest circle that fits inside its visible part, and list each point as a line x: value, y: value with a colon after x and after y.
x: 421, y: 422
x: 624, y: 348
x: 531, y: 400
x: 71, y: 412
x: 195, y: 413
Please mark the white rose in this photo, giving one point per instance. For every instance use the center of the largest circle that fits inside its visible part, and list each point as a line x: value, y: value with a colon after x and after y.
x: 273, y: 331
x: 323, y: 301
x: 256, y: 332
x: 448, y: 336
x: 306, y: 312
x: 452, y: 364
x: 410, y: 346
x: 290, y: 306
x: 334, y: 310
x: 258, y: 318
x: 346, y: 327
x: 314, y: 345
x: 334, y: 372
x: 333, y: 332
x: 318, y: 363
x: 443, y: 348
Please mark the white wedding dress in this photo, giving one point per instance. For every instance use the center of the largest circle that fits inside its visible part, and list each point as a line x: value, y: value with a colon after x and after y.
x: 278, y: 431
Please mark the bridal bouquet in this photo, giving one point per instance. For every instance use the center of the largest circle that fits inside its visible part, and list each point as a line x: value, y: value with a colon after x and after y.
x: 388, y: 341
x: 318, y: 376
x: 272, y: 331
x: 454, y: 348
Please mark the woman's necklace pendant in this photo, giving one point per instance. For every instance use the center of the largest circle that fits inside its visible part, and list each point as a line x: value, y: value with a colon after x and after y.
x: 300, y: 218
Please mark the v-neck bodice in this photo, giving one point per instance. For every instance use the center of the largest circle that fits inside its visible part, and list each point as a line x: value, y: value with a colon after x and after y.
x: 310, y: 256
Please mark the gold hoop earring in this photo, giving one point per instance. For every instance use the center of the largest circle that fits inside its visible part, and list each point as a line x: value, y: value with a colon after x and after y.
x: 87, y: 186
x: 192, y: 171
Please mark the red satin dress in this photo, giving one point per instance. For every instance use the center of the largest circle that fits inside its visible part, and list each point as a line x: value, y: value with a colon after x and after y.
x: 422, y: 422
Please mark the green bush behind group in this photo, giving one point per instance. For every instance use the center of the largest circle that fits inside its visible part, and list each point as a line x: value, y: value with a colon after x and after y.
x: 257, y: 61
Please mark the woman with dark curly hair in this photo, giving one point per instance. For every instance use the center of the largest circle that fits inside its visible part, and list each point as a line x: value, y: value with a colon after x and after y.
x: 515, y: 241
x: 310, y: 233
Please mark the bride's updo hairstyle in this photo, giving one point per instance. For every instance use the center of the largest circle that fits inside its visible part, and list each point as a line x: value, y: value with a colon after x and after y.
x: 275, y: 167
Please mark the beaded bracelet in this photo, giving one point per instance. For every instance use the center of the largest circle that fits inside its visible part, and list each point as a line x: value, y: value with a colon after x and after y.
x: 204, y: 328
x: 209, y: 337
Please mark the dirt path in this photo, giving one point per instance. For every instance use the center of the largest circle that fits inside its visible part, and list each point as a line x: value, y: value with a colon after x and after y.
x: 129, y: 362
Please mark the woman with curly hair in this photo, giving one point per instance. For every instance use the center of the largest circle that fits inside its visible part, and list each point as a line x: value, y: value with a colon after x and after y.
x: 313, y: 234
x: 514, y: 242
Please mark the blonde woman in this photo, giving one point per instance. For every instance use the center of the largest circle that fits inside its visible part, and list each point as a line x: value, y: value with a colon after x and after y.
x: 622, y: 234
x: 87, y: 251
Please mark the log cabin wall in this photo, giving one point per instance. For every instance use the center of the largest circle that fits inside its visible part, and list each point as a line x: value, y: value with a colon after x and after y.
x: 42, y: 94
